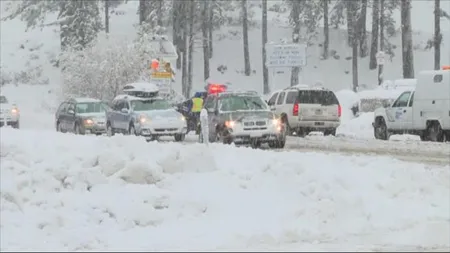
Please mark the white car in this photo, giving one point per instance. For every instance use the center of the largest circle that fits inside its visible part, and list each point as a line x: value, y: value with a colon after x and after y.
x: 424, y: 111
x: 305, y: 108
x: 150, y: 117
x: 9, y: 113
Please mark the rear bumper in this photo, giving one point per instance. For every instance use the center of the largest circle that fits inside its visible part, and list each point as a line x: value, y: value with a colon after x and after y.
x: 318, y: 124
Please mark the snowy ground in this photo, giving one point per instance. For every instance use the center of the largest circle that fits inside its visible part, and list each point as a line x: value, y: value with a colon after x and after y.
x: 122, y: 193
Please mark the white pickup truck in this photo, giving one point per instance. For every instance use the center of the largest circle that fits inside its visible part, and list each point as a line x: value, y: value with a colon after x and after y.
x: 424, y: 111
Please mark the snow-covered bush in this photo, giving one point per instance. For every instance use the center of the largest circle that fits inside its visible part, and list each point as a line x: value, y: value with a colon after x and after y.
x: 102, y: 70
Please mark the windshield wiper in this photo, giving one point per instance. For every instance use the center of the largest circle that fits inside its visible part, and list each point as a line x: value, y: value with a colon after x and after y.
x: 257, y: 104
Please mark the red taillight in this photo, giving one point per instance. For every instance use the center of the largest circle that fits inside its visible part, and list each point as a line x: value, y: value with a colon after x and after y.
x: 339, y: 110
x: 213, y: 89
x: 295, y: 109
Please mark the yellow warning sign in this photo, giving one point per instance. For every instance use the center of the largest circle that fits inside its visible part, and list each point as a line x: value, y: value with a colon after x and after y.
x: 162, y: 75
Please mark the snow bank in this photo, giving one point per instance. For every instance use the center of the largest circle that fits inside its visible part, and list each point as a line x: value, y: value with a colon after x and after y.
x: 67, y: 192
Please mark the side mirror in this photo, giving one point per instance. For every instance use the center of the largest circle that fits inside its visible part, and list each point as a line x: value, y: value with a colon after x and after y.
x: 71, y: 112
x: 124, y: 110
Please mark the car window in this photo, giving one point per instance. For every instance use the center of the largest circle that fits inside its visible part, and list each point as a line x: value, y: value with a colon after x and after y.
x: 62, y: 107
x: 272, y: 99
x: 244, y: 103
x: 280, y: 99
x: 402, y: 101
x: 3, y: 100
x: 322, y: 97
x: 149, y: 105
x: 209, y: 102
x: 70, y: 107
x: 117, y: 105
x: 411, y: 100
x: 91, y: 107
x: 291, y: 97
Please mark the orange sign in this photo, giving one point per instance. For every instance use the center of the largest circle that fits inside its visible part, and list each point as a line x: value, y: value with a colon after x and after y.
x: 162, y: 75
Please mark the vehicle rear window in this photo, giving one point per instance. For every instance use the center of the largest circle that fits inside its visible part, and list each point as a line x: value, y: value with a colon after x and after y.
x: 317, y: 97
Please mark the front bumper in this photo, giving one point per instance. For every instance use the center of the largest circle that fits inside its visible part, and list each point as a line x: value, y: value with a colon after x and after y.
x: 161, y: 128
x: 263, y: 134
x: 95, y: 129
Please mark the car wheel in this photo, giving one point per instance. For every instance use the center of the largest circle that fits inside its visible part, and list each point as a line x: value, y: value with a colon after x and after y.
x: 58, y: 127
x: 77, y: 129
x: 435, y: 132
x: 330, y: 132
x: 109, y: 130
x: 255, y: 143
x: 16, y: 125
x: 380, y: 130
x: 179, y: 137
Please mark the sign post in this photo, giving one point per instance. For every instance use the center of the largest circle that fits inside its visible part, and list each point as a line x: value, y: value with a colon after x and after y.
x: 381, y: 58
x: 284, y: 56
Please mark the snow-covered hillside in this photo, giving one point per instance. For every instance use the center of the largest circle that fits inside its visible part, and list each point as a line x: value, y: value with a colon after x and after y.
x: 18, y: 46
x: 122, y: 193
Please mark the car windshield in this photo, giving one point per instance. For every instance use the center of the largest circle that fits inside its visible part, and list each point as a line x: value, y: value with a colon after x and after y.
x: 96, y: 107
x: 242, y: 103
x: 3, y: 100
x: 149, y: 105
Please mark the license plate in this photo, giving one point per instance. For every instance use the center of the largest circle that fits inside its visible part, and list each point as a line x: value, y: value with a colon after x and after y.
x: 318, y: 112
x: 255, y: 134
x: 319, y: 123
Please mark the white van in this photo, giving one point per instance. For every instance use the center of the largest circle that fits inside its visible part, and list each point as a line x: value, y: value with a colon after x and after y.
x: 424, y: 111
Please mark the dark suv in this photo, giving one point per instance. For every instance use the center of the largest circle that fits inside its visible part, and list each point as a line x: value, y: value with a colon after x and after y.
x: 81, y: 116
x: 243, y: 118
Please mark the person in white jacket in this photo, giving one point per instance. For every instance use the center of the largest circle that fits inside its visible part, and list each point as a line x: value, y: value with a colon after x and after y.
x: 204, y: 126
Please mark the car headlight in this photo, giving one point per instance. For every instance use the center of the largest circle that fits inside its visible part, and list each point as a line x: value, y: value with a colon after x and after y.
x: 229, y: 124
x: 276, y: 122
x: 88, y: 121
x: 183, y: 118
x: 15, y: 111
x: 143, y: 119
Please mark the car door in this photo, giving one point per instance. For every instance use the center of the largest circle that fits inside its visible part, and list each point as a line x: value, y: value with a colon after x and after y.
x: 126, y: 116
x: 70, y: 117
x: 279, y: 108
x: 120, y: 116
x: 61, y: 116
x: 114, y: 115
x: 272, y: 101
x: 210, y: 106
x: 397, y: 113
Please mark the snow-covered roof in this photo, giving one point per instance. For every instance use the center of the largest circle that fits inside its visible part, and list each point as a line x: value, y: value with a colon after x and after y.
x: 130, y: 97
x: 144, y: 87
x: 87, y: 100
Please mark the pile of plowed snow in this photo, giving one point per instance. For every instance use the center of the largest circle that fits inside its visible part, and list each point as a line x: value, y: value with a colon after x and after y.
x: 67, y: 192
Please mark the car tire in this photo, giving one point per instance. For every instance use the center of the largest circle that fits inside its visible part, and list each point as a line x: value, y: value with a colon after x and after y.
x: 330, y: 132
x: 77, y: 129
x: 109, y: 130
x: 435, y: 132
x: 16, y: 125
x: 380, y: 130
x: 180, y: 137
x: 255, y: 144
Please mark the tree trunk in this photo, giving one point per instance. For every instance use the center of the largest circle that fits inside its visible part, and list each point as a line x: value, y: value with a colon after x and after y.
x: 350, y: 22
x: 437, y: 34
x: 295, y: 39
x: 184, y: 63
x: 107, y: 16
x: 382, y: 18
x: 326, y: 29
x: 205, y: 11
x: 407, y: 43
x: 211, y: 27
x: 266, y: 88
x: 352, y: 9
x: 191, y: 46
x: 362, y: 30
x: 374, y: 40
x: 160, y: 10
x: 142, y: 11
x: 176, y: 30
x: 247, y: 69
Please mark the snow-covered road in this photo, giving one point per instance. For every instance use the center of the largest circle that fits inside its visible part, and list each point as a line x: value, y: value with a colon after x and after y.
x: 122, y: 193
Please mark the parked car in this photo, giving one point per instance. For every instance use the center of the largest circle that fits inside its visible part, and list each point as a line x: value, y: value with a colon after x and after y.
x: 9, y: 113
x: 81, y: 116
x: 304, y: 108
x: 424, y: 111
x: 150, y: 117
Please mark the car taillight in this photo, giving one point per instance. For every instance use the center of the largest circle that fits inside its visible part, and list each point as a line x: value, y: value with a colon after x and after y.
x: 295, y: 109
x: 339, y: 110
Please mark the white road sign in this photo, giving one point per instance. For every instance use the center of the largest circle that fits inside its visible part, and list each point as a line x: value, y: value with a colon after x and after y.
x: 380, y: 58
x: 285, y: 55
